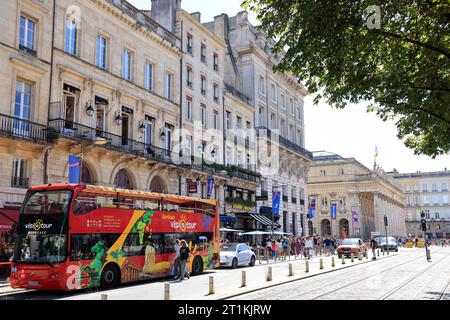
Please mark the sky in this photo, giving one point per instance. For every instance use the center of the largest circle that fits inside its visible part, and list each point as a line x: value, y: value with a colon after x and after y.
x: 349, y: 132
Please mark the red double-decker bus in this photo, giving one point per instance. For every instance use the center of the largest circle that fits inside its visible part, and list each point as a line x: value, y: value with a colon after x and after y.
x: 71, y: 237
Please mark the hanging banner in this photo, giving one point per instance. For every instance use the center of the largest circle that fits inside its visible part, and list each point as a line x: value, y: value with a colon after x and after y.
x: 210, y: 187
x: 333, y: 211
x: 355, y: 218
x: 74, y: 169
x: 276, y: 203
x: 312, y: 208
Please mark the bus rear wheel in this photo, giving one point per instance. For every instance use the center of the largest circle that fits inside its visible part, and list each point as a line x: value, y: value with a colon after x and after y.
x: 110, y: 276
x: 197, y: 266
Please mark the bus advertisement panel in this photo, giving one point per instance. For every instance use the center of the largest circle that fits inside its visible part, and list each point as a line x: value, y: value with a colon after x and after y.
x: 75, y: 236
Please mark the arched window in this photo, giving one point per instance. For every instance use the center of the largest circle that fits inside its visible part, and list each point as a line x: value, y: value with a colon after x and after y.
x: 123, y: 180
x: 157, y: 185
x: 86, y: 174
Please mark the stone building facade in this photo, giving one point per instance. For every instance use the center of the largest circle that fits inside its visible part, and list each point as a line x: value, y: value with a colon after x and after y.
x: 362, y: 198
x: 25, y: 63
x: 277, y: 101
x: 426, y: 192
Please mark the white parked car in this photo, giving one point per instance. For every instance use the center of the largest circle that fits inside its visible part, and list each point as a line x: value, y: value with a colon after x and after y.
x: 236, y: 254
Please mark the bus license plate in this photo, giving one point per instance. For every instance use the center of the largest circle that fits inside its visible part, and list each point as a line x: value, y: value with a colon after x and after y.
x: 33, y: 283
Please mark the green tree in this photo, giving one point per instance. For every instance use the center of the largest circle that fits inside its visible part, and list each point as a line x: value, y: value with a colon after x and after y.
x: 344, y: 54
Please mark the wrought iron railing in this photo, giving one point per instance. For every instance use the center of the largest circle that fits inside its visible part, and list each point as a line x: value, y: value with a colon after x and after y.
x: 284, y: 142
x: 19, y: 182
x: 22, y: 128
x: 236, y: 93
x: 78, y: 131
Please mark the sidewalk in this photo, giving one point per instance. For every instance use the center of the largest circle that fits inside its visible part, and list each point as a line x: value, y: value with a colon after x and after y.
x: 227, y: 283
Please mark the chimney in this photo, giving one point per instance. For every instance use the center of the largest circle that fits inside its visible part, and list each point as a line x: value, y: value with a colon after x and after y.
x: 164, y: 12
x: 221, y: 26
x: 196, y: 16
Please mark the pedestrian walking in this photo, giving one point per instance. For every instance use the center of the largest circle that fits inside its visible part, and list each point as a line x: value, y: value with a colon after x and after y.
x: 177, y: 264
x: 309, y: 247
x: 275, y: 248
x: 373, y: 245
x: 184, y: 257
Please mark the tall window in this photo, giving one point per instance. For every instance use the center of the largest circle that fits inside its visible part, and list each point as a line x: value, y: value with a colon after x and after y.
x: 71, y: 37
x: 262, y: 85
x: 149, y: 127
x: 425, y: 187
x: 203, y: 115
x: 445, y: 199
x: 216, y: 61
x: 228, y: 119
x: 126, y: 64
x: 19, y: 175
x: 169, y: 86
x: 283, y: 101
x: 27, y: 35
x: 215, y: 120
x: 216, y: 92
x: 444, y: 186
x: 188, y: 108
x: 238, y: 122
x: 203, y: 84
x: 203, y: 53
x: 22, y: 106
x: 189, y: 43
x: 273, y: 92
x: 189, y: 76
x: 291, y: 106
x: 101, y: 55
x: 148, y: 76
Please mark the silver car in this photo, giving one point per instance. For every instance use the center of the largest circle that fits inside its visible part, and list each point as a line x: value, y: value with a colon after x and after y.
x: 236, y: 254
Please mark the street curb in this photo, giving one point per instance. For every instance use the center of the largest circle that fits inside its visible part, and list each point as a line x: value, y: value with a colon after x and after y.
x: 301, y: 278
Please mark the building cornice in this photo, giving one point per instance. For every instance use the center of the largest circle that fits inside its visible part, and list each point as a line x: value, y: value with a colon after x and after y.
x: 253, y: 49
x: 136, y: 26
x: 202, y: 28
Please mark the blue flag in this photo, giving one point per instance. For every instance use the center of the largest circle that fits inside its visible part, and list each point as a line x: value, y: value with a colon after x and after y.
x: 333, y: 211
x: 312, y: 208
x: 74, y: 169
x: 276, y: 203
x: 210, y: 187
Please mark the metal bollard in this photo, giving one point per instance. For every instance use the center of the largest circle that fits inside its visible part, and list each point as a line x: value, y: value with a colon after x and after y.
x: 359, y: 256
x: 104, y: 297
x: 166, y: 291
x: 351, y: 256
x: 306, y: 266
x: 378, y: 252
x: 343, y: 260
x: 332, y: 262
x: 382, y: 251
x: 321, y: 263
x: 291, y: 270
x: 211, y: 285
x: 269, y: 274
x: 367, y: 255
x: 244, y: 279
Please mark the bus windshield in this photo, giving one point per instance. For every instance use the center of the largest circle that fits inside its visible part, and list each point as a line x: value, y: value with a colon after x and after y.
x: 41, y: 236
x: 47, y: 202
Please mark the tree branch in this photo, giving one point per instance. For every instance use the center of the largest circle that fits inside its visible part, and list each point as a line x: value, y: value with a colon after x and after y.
x: 406, y: 39
x: 407, y: 106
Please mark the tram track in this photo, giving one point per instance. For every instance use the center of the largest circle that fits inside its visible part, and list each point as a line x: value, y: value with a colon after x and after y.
x: 444, y: 291
x: 296, y: 295
x: 410, y: 279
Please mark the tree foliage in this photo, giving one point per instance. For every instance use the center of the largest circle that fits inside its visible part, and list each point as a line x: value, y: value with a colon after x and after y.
x: 402, y: 67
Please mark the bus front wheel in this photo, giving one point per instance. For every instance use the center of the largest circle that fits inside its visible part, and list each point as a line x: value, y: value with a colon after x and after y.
x: 110, y: 276
x: 197, y: 266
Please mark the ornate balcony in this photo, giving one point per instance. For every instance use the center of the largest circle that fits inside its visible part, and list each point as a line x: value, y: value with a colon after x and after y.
x: 23, y: 129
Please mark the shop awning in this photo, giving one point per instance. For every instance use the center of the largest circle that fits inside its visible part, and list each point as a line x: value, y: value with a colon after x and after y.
x: 264, y: 220
x: 8, y: 219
